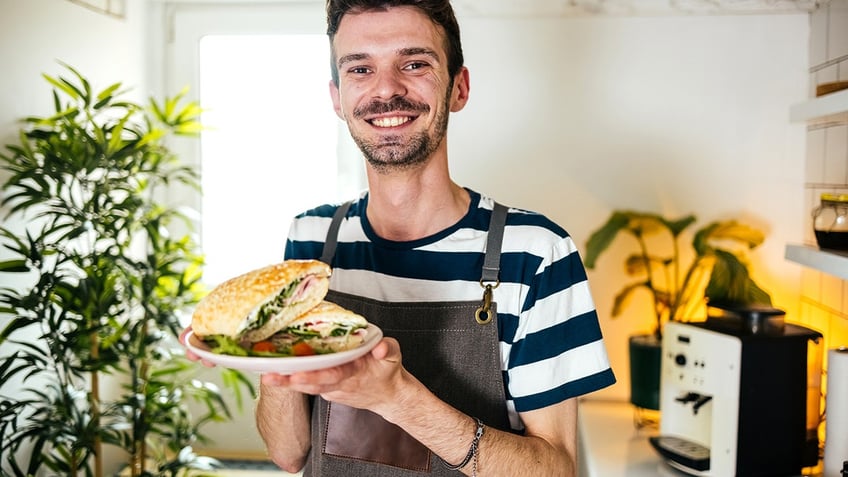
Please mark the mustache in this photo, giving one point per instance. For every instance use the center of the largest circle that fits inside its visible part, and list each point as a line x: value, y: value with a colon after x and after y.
x: 397, y: 103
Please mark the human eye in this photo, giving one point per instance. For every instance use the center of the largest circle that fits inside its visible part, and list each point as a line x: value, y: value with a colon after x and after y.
x: 415, y: 66
x: 359, y: 70
x: 356, y: 64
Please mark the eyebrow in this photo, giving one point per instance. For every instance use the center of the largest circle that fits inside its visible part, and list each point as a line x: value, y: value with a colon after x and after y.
x: 419, y: 51
x: 351, y: 57
x: 402, y: 52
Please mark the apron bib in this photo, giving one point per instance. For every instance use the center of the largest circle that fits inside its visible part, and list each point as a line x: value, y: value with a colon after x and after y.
x: 445, y: 347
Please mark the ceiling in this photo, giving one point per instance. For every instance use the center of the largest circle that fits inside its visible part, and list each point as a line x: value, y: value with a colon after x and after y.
x: 577, y: 8
x: 534, y: 8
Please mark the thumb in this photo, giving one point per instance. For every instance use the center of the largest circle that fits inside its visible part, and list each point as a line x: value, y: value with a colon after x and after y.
x: 387, y: 349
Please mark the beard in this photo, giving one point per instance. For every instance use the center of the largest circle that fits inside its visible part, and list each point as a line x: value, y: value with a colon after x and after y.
x: 399, y: 152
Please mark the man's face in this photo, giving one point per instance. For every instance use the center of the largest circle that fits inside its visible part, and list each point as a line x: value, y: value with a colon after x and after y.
x: 394, y: 89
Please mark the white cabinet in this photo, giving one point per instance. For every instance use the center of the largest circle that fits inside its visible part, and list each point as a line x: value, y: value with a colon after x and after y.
x: 830, y: 108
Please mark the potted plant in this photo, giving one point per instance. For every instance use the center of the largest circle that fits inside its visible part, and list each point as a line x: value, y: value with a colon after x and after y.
x: 718, y: 273
x: 101, y: 281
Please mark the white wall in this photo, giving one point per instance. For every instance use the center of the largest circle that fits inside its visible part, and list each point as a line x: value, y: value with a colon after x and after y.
x: 36, y: 34
x: 570, y: 117
x: 679, y: 115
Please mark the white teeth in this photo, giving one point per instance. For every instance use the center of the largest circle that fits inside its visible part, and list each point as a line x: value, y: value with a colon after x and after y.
x: 390, y: 122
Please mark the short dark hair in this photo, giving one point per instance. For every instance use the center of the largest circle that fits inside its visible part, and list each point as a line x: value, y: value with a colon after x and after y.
x: 439, y: 11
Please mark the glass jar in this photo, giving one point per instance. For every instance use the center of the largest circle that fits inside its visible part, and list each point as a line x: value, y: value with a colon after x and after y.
x: 830, y: 222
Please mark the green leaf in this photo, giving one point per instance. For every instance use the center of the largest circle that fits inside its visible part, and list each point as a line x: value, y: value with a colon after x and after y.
x: 728, y: 233
x: 730, y: 282
x: 601, y: 239
x: 623, y: 297
x: 64, y: 86
x: 676, y: 227
x: 14, y: 266
x: 105, y: 96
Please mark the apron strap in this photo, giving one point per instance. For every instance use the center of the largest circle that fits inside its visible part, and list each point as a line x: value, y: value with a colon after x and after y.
x: 492, y: 260
x: 333, y: 233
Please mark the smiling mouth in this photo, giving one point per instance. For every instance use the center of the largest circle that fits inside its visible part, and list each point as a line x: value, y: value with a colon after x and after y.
x: 390, y: 121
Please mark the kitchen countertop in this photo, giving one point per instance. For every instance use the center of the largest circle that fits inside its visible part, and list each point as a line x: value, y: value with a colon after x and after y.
x: 610, y: 445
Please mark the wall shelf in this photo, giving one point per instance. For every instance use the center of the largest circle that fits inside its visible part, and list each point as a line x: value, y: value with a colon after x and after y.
x: 831, y: 107
x: 830, y: 262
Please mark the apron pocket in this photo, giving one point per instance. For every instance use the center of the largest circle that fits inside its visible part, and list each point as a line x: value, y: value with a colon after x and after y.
x: 362, y: 435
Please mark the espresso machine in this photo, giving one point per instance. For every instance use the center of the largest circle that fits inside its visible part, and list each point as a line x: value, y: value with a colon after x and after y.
x: 736, y: 397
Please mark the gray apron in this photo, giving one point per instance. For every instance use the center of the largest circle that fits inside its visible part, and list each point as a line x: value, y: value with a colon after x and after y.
x: 444, y: 347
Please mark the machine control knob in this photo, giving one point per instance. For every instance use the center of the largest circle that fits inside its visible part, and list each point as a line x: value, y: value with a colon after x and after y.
x: 680, y: 359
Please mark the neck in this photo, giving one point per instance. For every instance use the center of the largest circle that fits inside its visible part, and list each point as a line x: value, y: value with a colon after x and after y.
x: 409, y: 205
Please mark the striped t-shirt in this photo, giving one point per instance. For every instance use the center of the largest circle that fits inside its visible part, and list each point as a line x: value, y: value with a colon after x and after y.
x: 550, y: 340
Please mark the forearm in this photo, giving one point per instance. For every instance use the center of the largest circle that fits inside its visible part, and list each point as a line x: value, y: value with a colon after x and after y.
x: 500, y: 453
x: 282, y: 418
x: 504, y: 453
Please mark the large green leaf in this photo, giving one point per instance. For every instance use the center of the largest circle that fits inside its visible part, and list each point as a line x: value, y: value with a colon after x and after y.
x: 730, y: 232
x: 676, y: 227
x: 603, y: 237
x: 730, y: 282
x: 623, y: 297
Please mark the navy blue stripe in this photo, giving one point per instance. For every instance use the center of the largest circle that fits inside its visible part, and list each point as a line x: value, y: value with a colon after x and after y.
x: 566, y: 391
x: 507, y: 327
x: 475, y: 219
x: 549, y: 342
x: 326, y: 210
x: 559, y: 276
x: 535, y: 219
x: 303, y: 250
x: 417, y: 264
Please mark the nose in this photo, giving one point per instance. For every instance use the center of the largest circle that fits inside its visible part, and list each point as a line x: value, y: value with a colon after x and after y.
x: 389, y: 84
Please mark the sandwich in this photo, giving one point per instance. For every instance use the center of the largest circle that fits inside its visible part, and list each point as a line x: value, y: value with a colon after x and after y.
x: 277, y: 310
x: 327, y: 328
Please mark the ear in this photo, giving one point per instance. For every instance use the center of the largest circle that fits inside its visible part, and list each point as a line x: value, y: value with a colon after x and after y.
x: 461, y: 88
x: 337, y: 103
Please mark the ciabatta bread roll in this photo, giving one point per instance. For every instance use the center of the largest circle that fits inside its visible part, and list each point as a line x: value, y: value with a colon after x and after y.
x: 253, y: 306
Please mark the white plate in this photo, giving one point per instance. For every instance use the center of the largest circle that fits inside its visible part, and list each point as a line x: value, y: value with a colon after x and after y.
x: 284, y: 364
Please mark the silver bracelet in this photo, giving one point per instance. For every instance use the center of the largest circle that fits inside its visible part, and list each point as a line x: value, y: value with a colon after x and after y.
x: 472, y: 451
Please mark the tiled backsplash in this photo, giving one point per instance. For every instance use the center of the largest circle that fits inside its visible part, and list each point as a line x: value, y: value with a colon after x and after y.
x: 824, y: 297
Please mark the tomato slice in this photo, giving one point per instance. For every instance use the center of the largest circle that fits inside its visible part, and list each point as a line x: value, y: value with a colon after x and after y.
x: 263, y: 347
x: 302, y: 349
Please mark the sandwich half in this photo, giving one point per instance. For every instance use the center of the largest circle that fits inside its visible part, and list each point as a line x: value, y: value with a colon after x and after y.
x: 257, y: 304
x: 327, y: 328
x: 278, y: 310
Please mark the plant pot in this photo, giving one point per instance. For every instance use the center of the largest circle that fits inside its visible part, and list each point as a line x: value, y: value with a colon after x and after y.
x: 645, y: 359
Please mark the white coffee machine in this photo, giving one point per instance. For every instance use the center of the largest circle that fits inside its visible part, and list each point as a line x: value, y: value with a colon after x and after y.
x: 734, y: 395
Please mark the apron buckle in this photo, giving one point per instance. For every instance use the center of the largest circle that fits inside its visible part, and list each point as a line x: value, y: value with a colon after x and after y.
x: 483, y: 315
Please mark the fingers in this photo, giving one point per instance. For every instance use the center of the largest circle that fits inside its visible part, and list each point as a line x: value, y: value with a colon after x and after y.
x: 183, y: 335
x: 183, y: 340
x: 274, y: 379
x: 188, y: 353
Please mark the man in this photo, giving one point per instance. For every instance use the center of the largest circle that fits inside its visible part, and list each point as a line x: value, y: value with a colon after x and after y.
x: 477, y: 371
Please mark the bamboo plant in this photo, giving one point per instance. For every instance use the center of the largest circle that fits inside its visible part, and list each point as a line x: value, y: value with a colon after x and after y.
x: 100, y: 285
x: 718, y: 272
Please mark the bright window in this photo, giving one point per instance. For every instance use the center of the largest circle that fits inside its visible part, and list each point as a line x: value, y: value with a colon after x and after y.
x: 270, y: 148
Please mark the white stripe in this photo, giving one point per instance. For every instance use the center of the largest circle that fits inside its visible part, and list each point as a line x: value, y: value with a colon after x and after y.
x: 389, y: 288
x: 545, y: 375
x: 549, y: 311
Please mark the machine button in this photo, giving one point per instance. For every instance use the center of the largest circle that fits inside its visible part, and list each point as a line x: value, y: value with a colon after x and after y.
x: 680, y: 359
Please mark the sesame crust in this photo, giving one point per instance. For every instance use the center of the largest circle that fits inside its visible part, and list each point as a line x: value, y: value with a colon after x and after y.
x: 225, y: 308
